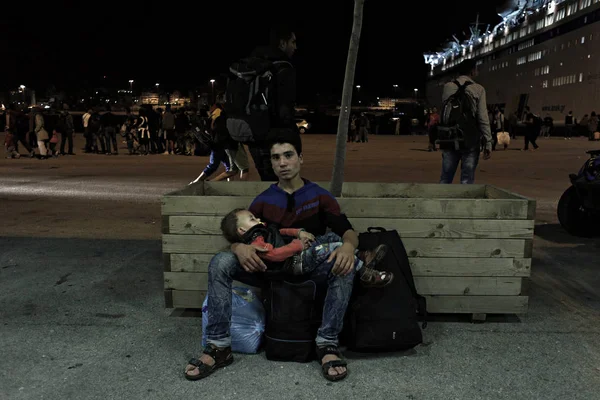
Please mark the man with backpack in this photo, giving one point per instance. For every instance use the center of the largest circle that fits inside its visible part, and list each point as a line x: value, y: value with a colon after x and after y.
x: 465, y: 125
x: 261, y: 97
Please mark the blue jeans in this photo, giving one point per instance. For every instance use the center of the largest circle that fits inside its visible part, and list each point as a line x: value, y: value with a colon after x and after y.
x: 320, y: 251
x: 468, y: 164
x: 217, y: 157
x: 224, y: 268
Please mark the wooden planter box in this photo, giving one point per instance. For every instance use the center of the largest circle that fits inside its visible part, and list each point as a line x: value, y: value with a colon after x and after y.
x: 469, y: 245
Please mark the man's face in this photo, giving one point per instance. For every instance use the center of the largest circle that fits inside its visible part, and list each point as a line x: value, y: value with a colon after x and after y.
x: 286, y: 162
x: 289, y: 47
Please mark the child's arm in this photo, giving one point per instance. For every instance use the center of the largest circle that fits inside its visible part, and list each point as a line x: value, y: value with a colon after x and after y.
x: 290, y: 232
x: 278, y: 254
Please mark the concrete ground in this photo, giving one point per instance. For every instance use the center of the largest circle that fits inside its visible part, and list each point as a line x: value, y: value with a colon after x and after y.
x: 82, y: 313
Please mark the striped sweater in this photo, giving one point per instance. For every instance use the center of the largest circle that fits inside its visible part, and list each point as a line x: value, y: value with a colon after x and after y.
x: 311, y: 208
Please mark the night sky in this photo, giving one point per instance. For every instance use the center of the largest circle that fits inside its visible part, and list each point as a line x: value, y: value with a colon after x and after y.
x: 70, y: 43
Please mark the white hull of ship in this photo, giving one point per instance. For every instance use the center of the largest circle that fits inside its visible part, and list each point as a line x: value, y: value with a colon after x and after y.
x: 506, y: 86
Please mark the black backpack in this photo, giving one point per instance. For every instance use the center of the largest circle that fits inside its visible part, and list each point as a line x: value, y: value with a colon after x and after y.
x: 458, y: 128
x: 294, y: 312
x: 385, y: 319
x: 251, y: 99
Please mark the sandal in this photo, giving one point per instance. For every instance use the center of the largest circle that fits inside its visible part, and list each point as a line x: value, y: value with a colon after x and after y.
x: 369, y: 276
x: 222, y: 357
x: 372, y: 278
x: 333, y: 350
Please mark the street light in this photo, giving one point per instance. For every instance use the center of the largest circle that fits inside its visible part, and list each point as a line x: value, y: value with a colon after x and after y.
x: 416, y: 91
x: 131, y: 85
x: 212, y: 84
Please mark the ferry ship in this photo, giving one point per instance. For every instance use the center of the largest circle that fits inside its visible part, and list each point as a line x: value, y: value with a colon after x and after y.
x: 543, y: 54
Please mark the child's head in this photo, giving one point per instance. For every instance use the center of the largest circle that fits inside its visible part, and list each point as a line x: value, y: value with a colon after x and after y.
x: 236, y: 223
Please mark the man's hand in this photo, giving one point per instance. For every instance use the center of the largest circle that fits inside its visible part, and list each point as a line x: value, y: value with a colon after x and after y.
x: 344, y: 260
x: 249, y: 260
x: 306, y: 243
x: 487, y: 154
x: 306, y: 235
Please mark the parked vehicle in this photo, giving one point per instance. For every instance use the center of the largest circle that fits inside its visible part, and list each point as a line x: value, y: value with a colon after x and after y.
x: 579, y: 207
x: 303, y: 125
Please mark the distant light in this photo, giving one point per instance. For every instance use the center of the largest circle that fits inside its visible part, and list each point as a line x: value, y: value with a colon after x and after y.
x: 131, y: 81
x: 358, y: 86
x: 212, y: 81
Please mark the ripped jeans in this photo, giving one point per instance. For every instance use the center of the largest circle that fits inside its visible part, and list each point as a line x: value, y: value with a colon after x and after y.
x: 224, y: 268
x: 468, y: 164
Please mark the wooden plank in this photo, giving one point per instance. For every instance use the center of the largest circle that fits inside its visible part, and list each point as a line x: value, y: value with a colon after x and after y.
x: 187, y: 298
x: 493, y: 267
x: 365, y: 208
x: 168, y: 298
x: 190, y: 262
x: 466, y: 286
x: 435, y: 304
x: 164, y: 227
x: 188, y: 280
x: 197, y: 189
x: 457, y: 286
x: 195, y: 224
x: 434, y: 208
x: 446, y: 228
x: 438, y: 248
x: 531, y: 209
x: 407, y: 228
x: 498, y: 267
x: 477, y: 304
x: 493, y: 192
x: 412, y: 190
x: 482, y: 248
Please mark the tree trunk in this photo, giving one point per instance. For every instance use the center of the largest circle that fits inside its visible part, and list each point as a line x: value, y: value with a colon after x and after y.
x: 346, y: 107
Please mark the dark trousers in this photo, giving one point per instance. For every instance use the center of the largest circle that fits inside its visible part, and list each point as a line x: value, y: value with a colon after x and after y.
x: 531, y: 137
x: 110, y: 136
x: 66, y: 136
x: 261, y: 155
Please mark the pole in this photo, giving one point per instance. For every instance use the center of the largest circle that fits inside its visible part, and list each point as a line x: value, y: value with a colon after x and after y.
x: 337, y: 180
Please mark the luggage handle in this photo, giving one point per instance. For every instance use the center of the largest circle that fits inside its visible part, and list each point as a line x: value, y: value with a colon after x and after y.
x: 372, y: 229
